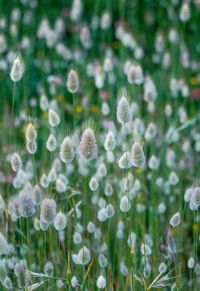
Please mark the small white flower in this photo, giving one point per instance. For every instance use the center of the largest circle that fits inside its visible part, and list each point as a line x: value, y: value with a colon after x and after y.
x: 102, y: 261
x: 17, y: 69
x: 110, y: 211
x: 54, y: 118
x: 102, y: 214
x: 110, y: 141
x: 137, y: 156
x: 145, y: 250
x: 101, y: 282
x: 60, y: 221
x: 124, y: 161
x: 51, y: 143
x: 125, y: 205
x: 191, y: 263
x: 83, y: 257
x: 16, y: 162
x: 93, y: 184
x: 175, y: 219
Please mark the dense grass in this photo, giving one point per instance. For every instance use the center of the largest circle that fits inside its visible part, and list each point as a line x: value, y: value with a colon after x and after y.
x: 122, y: 83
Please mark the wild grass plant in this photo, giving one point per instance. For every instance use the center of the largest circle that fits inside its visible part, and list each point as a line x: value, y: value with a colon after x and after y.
x: 99, y: 145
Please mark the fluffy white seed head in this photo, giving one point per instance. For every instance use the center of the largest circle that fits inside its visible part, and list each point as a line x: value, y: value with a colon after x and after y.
x: 108, y: 190
x: 175, y: 219
x: 93, y: 184
x: 91, y: 227
x: 110, y: 211
x: 191, y: 263
x: 67, y: 150
x: 137, y: 156
x: 60, y: 221
x: 49, y: 269
x: 52, y: 176
x: 101, y: 282
x: 195, y: 196
x: 31, y: 147
x: 16, y: 162
x: 150, y: 92
x: 44, y: 103
x: 74, y: 281
x: 7, y: 283
x: 110, y: 157
x: 88, y: 146
x: 125, y: 205
x: 31, y: 133
x: 26, y: 205
x: 54, y: 119
x: 145, y: 250
x: 185, y: 12
x: 150, y: 132
x: 123, y: 110
x: 37, y: 195
x: 72, y: 81
x: 76, y: 10
x: 124, y: 161
x: 60, y: 186
x: 102, y: 170
x: 17, y: 69
x: 83, y: 257
x: 44, y: 181
x: 77, y: 238
x: 110, y: 141
x: 48, y: 210
x: 102, y: 215
x: 173, y: 178
x: 44, y: 226
x: 51, y: 143
x: 154, y: 163
x: 102, y: 261
x: 135, y: 75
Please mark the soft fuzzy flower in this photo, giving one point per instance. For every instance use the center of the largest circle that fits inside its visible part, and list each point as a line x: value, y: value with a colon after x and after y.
x: 67, y: 150
x: 31, y: 133
x: 72, y: 81
x: 88, y: 146
x: 101, y: 282
x: 51, y: 143
x: 83, y: 257
x: 185, y: 12
x: 175, y: 219
x: 48, y: 210
x: 54, y: 118
x: 16, y: 162
x: 26, y: 205
x: 93, y: 184
x: 17, y: 69
x: 110, y: 141
x: 195, y: 196
x: 135, y: 75
x: 60, y: 221
x: 145, y: 250
x: 49, y: 269
x: 31, y: 147
x: 123, y: 109
x: 137, y: 156
x: 124, y: 161
x: 125, y: 205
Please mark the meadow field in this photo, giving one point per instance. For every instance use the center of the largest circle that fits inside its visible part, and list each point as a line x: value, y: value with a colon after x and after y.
x: 99, y: 145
